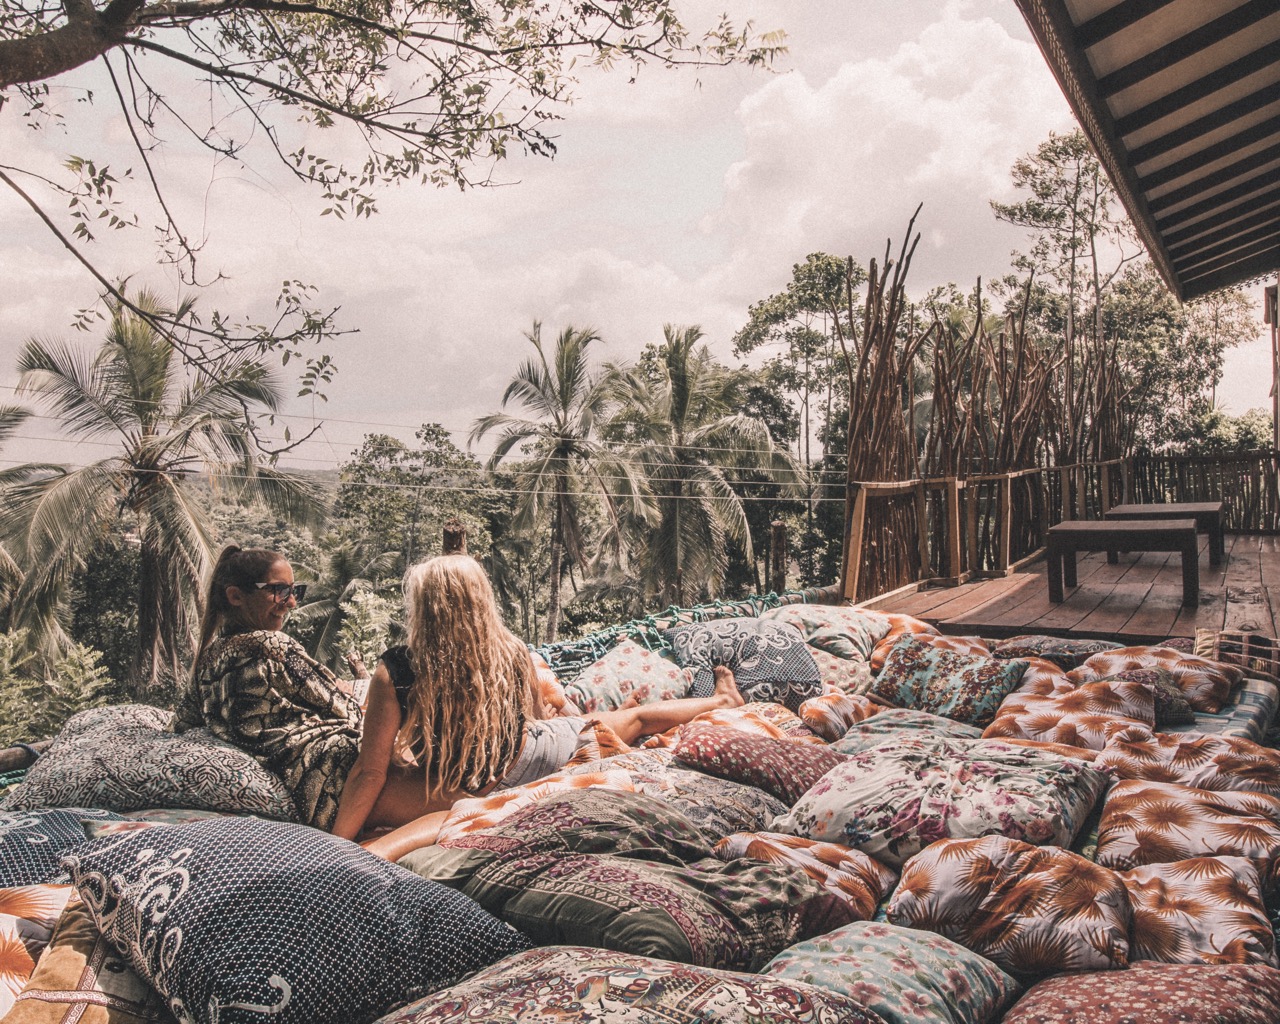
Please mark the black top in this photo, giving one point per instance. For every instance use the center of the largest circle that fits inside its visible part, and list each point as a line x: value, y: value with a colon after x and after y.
x: 400, y: 669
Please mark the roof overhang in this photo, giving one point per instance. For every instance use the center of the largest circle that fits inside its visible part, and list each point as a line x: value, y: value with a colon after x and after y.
x: 1181, y: 101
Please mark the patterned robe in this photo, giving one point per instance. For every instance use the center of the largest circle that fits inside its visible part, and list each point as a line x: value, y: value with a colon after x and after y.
x: 261, y: 691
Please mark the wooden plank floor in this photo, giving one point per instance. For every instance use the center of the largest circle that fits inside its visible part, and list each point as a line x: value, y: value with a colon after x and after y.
x: 1139, y: 600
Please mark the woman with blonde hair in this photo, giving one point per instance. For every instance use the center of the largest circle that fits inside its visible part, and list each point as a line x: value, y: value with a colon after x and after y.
x: 456, y: 711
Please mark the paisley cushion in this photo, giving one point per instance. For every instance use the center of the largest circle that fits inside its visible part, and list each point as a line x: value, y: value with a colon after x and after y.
x: 244, y: 919
x: 769, y: 659
x: 1066, y: 653
x: 780, y: 767
x: 562, y: 984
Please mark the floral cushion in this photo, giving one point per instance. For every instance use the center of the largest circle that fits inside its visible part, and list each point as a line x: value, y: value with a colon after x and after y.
x: 628, y: 671
x: 1066, y: 653
x: 840, y: 630
x: 32, y: 842
x: 1197, y: 760
x: 1089, y: 716
x: 1157, y: 822
x: 1151, y: 993
x: 563, y: 984
x: 848, y: 874
x: 841, y: 675
x: 554, y: 697
x: 1031, y: 910
x: 898, y: 626
x: 80, y: 977
x: 894, y: 800
x: 242, y: 919
x: 1207, y: 910
x: 1207, y: 684
x: 125, y: 762
x: 780, y: 767
x: 924, y: 676
x: 834, y: 714
x: 902, y: 723
x: 905, y: 976
x: 28, y: 914
x: 769, y: 659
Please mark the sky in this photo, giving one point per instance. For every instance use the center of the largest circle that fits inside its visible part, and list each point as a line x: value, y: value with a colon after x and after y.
x: 679, y: 199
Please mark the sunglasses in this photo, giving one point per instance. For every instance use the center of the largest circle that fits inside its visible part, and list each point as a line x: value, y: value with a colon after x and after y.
x: 281, y: 592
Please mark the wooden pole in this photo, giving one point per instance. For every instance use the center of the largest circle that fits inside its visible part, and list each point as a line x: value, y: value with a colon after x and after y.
x: 922, y: 531
x: 951, y: 496
x: 853, y: 545
x: 1006, y: 521
x: 777, y: 556
x: 455, y: 537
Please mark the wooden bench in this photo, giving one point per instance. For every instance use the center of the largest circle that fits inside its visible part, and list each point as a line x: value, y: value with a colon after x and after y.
x: 1065, y: 539
x: 1208, y: 515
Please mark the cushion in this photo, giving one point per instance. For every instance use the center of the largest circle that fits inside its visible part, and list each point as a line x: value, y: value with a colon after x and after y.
x: 848, y: 874
x: 81, y: 978
x: 834, y: 714
x: 180, y: 903
x: 563, y: 984
x: 628, y: 671
x: 1066, y: 653
x: 1254, y: 652
x: 1043, y: 678
x: 1150, y: 993
x: 1089, y: 716
x: 905, y: 976
x: 1030, y: 910
x: 780, y: 767
x: 902, y: 723
x: 1157, y: 822
x: 895, y: 799
x: 841, y: 675
x: 1171, y: 704
x: 623, y: 872
x: 1207, y: 910
x: 761, y: 717
x: 1195, y: 759
x: 32, y: 842
x: 972, y: 645
x: 483, y: 812
x: 898, y: 625
x: 1207, y: 684
x: 923, y: 676
x: 125, y: 763
x: 27, y: 917
x: 769, y: 659
x: 839, y: 630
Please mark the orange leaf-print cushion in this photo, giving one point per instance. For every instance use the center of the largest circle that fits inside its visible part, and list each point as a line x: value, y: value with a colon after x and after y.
x: 1207, y: 684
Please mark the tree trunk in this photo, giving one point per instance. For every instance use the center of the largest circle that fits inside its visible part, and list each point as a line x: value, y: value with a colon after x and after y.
x: 557, y: 548
x: 144, y: 673
x: 87, y: 35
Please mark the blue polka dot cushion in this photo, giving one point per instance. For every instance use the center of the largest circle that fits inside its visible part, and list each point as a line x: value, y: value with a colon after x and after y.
x: 33, y: 842
x: 242, y: 920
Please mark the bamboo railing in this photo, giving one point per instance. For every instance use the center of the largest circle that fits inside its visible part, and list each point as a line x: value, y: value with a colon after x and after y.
x: 948, y: 530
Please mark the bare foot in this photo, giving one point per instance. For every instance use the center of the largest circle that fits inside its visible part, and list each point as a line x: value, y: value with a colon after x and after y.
x: 727, y: 687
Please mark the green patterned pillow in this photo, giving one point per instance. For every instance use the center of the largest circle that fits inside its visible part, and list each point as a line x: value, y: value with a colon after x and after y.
x: 963, y: 687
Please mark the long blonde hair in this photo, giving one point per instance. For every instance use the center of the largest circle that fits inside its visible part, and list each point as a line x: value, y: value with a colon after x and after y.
x: 475, y: 684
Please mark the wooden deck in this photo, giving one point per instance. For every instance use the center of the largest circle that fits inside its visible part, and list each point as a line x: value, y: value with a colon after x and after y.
x: 1139, y: 600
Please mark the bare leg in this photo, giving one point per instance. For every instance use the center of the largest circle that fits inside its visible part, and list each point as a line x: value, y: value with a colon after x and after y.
x: 414, y: 836
x: 647, y: 719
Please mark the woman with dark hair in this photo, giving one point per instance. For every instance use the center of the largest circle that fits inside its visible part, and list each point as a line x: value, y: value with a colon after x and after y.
x: 256, y: 687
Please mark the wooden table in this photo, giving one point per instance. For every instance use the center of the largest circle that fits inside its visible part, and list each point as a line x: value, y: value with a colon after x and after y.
x: 1208, y: 515
x: 1111, y: 535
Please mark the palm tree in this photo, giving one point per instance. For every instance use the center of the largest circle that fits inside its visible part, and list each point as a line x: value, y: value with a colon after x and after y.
x: 567, y: 404
x: 167, y: 422
x: 683, y: 413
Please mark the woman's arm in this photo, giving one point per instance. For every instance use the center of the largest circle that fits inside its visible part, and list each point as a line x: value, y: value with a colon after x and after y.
x: 369, y: 773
